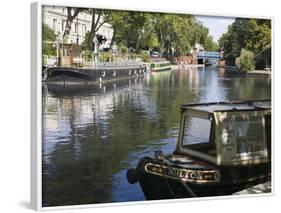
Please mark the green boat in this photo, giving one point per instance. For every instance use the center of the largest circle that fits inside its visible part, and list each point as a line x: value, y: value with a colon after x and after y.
x: 160, y: 66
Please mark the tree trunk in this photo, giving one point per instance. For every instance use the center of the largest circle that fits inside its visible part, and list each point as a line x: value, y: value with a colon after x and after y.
x: 138, y: 42
x: 113, y: 38
x: 69, y: 20
x: 95, y: 26
x: 92, y: 31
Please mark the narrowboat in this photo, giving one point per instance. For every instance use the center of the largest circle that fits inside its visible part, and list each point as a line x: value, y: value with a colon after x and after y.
x: 222, y: 148
x: 209, y: 62
x: 160, y: 66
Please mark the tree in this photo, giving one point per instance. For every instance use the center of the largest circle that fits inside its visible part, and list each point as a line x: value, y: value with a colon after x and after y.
x: 117, y: 19
x: 48, y: 34
x: 176, y: 32
x: 250, y: 34
x: 171, y: 34
x: 69, y: 20
x: 210, y: 45
x: 48, y: 38
x: 98, y: 19
x: 132, y: 29
x: 245, y: 62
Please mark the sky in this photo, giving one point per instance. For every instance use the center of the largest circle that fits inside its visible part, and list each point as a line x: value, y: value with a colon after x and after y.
x: 217, y: 25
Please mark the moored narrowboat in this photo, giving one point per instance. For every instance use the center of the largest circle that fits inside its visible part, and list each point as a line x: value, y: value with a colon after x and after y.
x: 222, y: 148
x: 160, y: 66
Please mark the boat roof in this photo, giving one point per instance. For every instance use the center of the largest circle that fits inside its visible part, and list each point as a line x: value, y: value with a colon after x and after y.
x: 160, y: 62
x: 211, y: 107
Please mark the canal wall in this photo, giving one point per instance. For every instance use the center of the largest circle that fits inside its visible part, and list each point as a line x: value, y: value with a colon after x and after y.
x: 95, y: 75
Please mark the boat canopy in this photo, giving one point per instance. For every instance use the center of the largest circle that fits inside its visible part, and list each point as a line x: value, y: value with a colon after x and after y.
x: 235, y: 132
x: 160, y: 64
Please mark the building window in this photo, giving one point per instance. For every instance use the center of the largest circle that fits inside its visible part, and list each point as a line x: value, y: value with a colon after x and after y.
x: 75, y: 28
x: 62, y: 25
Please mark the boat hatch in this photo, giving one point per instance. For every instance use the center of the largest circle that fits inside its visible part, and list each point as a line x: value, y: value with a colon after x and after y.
x: 225, y: 133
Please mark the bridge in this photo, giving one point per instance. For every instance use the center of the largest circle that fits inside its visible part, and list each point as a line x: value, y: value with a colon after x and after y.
x: 208, y: 57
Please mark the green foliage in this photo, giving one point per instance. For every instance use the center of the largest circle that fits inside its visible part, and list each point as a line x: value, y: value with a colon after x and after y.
x: 85, y: 43
x: 145, y: 56
x: 48, y: 34
x: 87, y: 54
x: 49, y: 49
x: 250, y: 34
x: 245, y: 62
x: 123, y: 49
x: 158, y: 31
x: 48, y: 38
x: 106, y: 57
x: 210, y: 45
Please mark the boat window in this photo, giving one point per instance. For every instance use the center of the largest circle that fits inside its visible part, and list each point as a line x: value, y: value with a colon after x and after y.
x: 197, y: 135
x: 241, y: 135
x: 249, y: 136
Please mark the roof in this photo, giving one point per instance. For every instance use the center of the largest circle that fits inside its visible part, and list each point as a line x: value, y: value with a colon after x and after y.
x: 212, y: 107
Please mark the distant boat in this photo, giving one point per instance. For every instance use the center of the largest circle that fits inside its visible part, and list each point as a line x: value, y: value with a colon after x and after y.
x: 160, y: 66
x: 208, y: 63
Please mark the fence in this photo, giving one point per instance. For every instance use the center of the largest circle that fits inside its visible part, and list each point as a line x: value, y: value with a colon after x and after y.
x: 88, y: 62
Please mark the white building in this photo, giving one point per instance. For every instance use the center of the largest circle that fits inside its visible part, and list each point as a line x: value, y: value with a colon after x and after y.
x: 55, y: 18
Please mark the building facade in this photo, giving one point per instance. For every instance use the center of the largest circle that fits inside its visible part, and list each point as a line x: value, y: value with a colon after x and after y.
x: 55, y: 17
x: 69, y: 50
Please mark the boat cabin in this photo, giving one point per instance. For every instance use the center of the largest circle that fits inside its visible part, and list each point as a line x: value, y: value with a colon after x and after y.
x: 226, y: 133
x: 160, y: 66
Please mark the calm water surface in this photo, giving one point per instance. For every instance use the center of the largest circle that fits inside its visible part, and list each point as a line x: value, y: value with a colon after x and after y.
x: 93, y: 134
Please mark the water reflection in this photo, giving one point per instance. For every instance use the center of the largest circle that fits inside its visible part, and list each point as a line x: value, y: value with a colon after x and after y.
x: 93, y: 133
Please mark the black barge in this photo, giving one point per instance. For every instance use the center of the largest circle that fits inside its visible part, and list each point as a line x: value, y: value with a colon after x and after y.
x: 94, y: 75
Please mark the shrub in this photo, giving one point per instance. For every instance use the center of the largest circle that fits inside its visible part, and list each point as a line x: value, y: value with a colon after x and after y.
x: 49, y: 49
x: 145, y: 56
x: 87, y: 55
x: 123, y: 49
x: 245, y: 62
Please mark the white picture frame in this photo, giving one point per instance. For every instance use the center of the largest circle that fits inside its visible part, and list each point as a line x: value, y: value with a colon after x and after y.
x: 36, y: 108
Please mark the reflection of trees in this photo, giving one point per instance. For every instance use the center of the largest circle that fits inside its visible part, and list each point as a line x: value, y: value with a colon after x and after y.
x: 246, y: 88
x: 80, y: 168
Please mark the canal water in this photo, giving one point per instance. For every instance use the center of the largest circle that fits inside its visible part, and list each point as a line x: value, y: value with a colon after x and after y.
x: 93, y: 134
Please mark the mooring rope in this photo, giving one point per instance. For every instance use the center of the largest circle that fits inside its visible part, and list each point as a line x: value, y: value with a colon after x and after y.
x: 186, y: 187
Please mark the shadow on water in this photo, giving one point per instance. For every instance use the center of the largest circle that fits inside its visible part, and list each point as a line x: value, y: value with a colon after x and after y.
x: 93, y: 133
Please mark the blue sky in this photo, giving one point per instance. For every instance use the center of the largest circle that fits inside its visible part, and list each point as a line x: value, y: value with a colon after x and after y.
x: 217, y: 25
